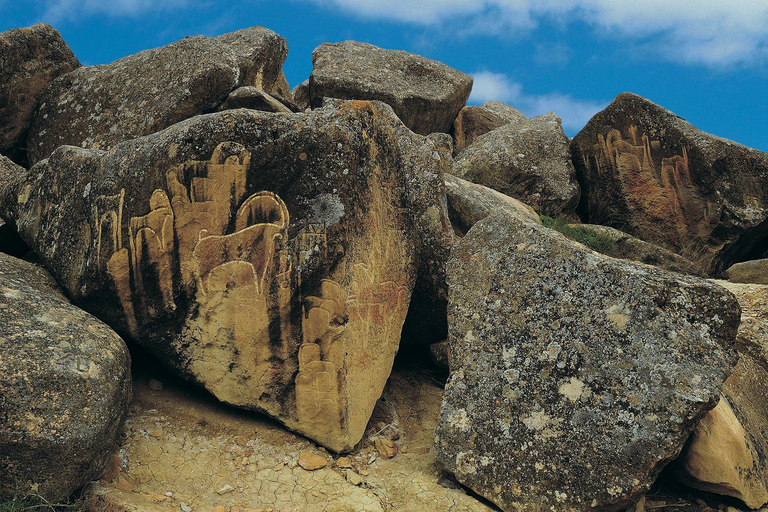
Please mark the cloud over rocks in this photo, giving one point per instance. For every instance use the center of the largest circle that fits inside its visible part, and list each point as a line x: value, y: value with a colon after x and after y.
x: 58, y: 10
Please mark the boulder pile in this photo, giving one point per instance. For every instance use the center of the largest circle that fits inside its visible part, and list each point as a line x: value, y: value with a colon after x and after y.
x: 278, y: 248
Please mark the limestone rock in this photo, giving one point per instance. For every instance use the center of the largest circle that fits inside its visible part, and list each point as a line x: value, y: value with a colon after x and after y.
x: 301, y: 95
x: 66, y: 384
x: 30, y: 59
x: 97, y: 107
x: 426, y: 94
x: 474, y: 121
x: 253, y: 98
x: 653, y: 175
x: 574, y: 377
x: 528, y: 160
x: 469, y: 203
x: 268, y: 257
x: 753, y: 271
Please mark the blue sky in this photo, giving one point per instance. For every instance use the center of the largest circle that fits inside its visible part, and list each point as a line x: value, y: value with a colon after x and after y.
x: 706, y: 60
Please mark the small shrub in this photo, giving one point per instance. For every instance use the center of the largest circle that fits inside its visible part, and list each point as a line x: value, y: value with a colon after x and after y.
x: 596, y: 241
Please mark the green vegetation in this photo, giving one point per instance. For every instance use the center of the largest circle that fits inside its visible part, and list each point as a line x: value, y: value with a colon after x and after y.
x: 33, y: 503
x: 595, y: 241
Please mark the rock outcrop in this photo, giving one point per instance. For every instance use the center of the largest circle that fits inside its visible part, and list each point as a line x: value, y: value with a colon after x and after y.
x: 425, y: 94
x: 268, y: 257
x: 66, y: 384
x: 533, y: 417
x: 97, y: 107
x: 647, y: 172
x: 474, y: 121
x: 528, y: 160
x: 30, y: 60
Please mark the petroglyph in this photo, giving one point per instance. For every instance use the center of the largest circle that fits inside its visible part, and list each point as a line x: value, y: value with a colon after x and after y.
x: 107, y: 211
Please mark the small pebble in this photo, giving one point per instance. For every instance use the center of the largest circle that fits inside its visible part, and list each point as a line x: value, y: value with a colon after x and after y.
x: 185, y: 507
x: 312, y: 461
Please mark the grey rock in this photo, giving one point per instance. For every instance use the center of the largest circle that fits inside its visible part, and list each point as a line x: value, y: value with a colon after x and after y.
x: 753, y: 271
x: 426, y: 94
x: 474, y: 121
x: 253, y: 98
x: 528, y: 160
x: 97, y: 107
x: 30, y: 59
x: 66, y: 385
x: 575, y: 378
x: 301, y: 95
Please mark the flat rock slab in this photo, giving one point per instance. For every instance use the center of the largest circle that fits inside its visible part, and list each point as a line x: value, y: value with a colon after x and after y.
x: 575, y: 378
x: 267, y: 257
x: 65, y: 381
x: 425, y: 94
x: 30, y: 60
x: 648, y: 172
x: 97, y: 107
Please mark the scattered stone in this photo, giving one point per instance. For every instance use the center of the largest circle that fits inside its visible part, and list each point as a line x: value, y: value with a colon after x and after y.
x: 169, y: 494
x: 185, y: 507
x: 97, y: 107
x: 66, y: 387
x: 254, y: 217
x: 426, y: 94
x: 532, y: 416
x: 653, y: 175
x: 528, y: 160
x: 30, y: 59
x: 474, y: 121
x: 224, y: 490
x: 255, y: 99
x: 386, y: 448
x: 155, y: 385
x: 441, y: 354
x: 344, y: 463
x: 312, y: 461
x: 754, y: 271
x: 353, y: 477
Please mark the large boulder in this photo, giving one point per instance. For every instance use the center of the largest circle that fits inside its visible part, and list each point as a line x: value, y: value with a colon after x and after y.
x: 574, y: 377
x: 66, y: 385
x: 474, y: 121
x: 528, y: 160
x: 752, y: 271
x: 424, y: 93
x: 268, y: 257
x: 97, y: 107
x: 646, y: 171
x: 30, y: 59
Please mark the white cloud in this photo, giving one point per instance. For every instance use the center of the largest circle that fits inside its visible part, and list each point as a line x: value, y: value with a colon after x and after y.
x: 57, y: 10
x: 710, y: 32
x: 574, y: 112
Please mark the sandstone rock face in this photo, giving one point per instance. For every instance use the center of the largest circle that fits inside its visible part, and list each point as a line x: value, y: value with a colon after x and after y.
x: 474, y: 121
x: 426, y: 94
x: 30, y: 59
x: 97, y: 107
x: 66, y: 384
x: 651, y: 174
x: 533, y: 417
x: 253, y: 98
x: 528, y: 160
x: 754, y: 271
x: 469, y: 203
x: 268, y: 257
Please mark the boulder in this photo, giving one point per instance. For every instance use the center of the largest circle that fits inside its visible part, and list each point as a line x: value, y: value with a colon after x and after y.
x: 651, y: 174
x: 474, y: 121
x: 753, y: 271
x: 253, y: 98
x: 268, y: 257
x: 528, y: 160
x: 30, y: 59
x: 97, y: 107
x: 426, y: 94
x: 66, y: 385
x: 301, y: 95
x: 533, y: 417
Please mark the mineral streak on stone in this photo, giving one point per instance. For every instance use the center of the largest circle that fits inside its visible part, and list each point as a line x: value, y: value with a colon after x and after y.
x: 426, y: 94
x: 65, y: 386
x: 574, y: 377
x: 97, y: 107
x: 650, y: 173
x: 268, y: 257
x: 30, y: 59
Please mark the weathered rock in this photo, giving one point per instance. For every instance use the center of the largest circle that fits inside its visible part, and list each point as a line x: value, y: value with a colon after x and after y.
x: 650, y: 173
x: 253, y: 98
x: 312, y: 461
x: 627, y: 247
x: 469, y: 203
x: 268, y: 257
x: 30, y: 59
x: 574, y: 377
x: 66, y: 384
x: 440, y: 353
x: 97, y: 107
x: 474, y: 121
x: 753, y: 271
x: 301, y: 95
x: 752, y: 338
x: 528, y: 160
x: 426, y: 94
